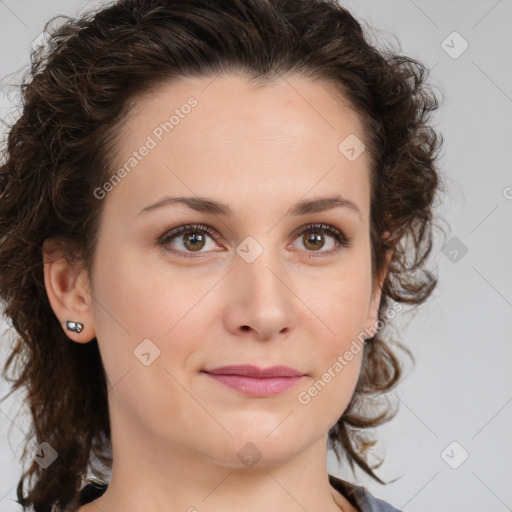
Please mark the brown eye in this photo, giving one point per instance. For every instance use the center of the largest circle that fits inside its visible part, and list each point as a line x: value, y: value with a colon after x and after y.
x: 188, y: 239
x: 316, y: 236
x: 194, y: 241
x: 313, y: 241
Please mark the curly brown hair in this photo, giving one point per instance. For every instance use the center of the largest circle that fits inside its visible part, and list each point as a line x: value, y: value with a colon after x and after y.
x: 59, y: 150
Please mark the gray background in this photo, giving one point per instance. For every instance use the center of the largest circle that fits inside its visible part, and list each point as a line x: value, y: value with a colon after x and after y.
x: 460, y: 390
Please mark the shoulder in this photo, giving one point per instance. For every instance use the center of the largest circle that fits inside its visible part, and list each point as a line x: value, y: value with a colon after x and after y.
x: 360, y: 497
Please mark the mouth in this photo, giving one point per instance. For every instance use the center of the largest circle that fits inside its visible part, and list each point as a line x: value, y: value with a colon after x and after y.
x: 254, y: 381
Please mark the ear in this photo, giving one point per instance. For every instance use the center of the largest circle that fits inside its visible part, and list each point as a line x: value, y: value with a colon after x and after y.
x: 376, y: 295
x: 68, y: 290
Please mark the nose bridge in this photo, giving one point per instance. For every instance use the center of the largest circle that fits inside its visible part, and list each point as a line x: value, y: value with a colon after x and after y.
x: 259, y: 268
x: 262, y: 298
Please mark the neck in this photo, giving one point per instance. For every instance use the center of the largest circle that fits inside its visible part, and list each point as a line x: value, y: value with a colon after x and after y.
x: 148, y: 476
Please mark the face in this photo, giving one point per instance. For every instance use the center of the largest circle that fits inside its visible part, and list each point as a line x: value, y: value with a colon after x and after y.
x: 263, y: 286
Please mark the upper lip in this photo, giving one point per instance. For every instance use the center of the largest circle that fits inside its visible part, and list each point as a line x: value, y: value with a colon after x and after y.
x: 253, y: 371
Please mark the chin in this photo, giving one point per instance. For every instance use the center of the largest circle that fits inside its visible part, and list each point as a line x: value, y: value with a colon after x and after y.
x: 256, y: 449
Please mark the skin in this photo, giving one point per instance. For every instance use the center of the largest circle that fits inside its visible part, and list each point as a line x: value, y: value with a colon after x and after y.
x: 176, y: 431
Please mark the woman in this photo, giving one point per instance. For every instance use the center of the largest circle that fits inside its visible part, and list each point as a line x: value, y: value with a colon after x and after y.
x: 204, y: 215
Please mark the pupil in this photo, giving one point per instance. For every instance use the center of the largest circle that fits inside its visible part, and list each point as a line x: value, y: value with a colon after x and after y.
x: 195, y: 240
x: 314, y: 239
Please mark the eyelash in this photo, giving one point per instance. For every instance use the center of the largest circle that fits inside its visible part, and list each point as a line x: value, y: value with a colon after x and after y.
x: 169, y: 236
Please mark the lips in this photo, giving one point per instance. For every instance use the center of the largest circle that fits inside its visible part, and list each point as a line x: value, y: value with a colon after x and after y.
x: 254, y: 381
x: 253, y: 371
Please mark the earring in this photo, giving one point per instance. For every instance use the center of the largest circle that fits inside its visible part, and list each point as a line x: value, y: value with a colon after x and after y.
x: 74, y: 326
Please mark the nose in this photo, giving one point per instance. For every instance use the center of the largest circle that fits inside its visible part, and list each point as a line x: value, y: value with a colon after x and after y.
x: 260, y: 302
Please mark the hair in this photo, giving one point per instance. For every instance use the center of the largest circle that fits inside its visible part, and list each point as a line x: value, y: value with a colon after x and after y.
x: 75, y: 95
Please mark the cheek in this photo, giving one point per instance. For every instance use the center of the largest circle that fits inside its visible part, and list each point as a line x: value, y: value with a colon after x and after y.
x: 147, y: 317
x: 327, y: 396
x: 340, y: 306
x: 145, y: 298
x: 336, y: 355
x: 340, y: 300
x: 138, y: 298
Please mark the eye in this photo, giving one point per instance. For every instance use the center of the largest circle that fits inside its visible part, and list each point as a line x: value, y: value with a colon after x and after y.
x: 189, y: 239
x: 192, y: 238
x: 313, y: 237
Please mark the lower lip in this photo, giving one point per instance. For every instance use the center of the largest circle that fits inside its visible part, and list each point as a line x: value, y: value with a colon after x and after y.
x: 255, y: 386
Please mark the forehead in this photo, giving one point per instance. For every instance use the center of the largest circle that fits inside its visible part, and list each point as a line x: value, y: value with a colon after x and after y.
x: 231, y: 105
x: 226, y: 136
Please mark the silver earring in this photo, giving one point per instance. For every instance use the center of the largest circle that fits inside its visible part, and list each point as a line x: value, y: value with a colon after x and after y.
x: 74, y: 326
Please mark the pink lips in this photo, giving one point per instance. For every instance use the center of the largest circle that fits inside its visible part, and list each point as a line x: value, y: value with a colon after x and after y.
x: 254, y: 381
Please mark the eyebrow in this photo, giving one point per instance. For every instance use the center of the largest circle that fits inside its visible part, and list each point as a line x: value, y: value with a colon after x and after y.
x: 206, y: 205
